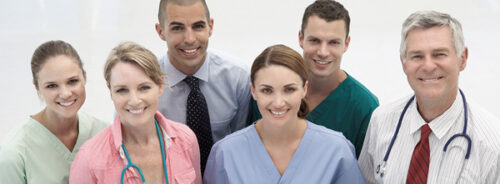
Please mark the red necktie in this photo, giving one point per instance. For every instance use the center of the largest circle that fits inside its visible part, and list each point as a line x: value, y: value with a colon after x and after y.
x: 419, y: 165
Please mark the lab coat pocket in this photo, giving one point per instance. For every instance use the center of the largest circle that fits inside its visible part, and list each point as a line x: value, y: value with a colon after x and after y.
x: 187, y: 177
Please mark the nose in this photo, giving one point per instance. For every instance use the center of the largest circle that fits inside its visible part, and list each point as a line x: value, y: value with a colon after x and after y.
x: 429, y: 65
x: 278, y: 101
x: 189, y: 36
x: 65, y: 92
x: 134, y: 99
x: 323, y: 50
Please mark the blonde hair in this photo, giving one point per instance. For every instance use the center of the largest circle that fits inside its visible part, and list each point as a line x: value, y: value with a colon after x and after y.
x: 134, y: 53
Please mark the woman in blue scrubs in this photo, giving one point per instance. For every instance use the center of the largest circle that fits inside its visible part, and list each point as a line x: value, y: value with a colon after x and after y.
x: 282, y: 147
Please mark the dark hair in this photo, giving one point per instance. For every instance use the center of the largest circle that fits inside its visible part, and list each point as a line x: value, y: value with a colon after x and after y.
x: 287, y: 57
x: 162, y: 9
x: 52, y: 49
x: 328, y: 10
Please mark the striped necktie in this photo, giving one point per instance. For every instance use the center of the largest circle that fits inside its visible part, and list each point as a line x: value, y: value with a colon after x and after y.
x: 419, y: 165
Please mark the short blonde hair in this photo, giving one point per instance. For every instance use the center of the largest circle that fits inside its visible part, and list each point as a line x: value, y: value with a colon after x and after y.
x: 134, y: 53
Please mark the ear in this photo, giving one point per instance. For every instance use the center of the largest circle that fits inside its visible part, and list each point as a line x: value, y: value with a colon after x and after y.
x: 210, y: 26
x: 161, y: 89
x: 159, y: 30
x: 36, y: 87
x: 306, y: 86
x: 403, y: 64
x: 301, y: 39
x: 84, y: 78
x: 252, y: 89
x: 347, y: 41
x: 463, y: 58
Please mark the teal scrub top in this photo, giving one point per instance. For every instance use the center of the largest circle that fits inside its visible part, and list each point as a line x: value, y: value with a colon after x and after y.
x: 32, y: 154
x: 347, y: 109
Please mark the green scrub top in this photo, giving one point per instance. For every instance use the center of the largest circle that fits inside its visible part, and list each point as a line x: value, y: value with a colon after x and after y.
x: 32, y: 154
x: 347, y: 109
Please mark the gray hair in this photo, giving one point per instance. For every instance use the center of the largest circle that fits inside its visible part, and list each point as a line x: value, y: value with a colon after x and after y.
x: 429, y: 19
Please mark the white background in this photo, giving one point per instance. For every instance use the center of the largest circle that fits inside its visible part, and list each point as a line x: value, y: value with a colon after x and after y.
x: 242, y: 28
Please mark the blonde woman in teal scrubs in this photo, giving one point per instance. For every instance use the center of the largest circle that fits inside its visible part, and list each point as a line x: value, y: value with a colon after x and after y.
x: 42, y: 149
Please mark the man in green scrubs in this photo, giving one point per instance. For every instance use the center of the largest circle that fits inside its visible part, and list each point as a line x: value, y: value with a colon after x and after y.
x: 336, y: 100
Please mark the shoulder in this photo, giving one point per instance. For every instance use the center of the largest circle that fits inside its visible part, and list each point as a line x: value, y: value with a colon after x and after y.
x: 182, y: 131
x: 97, y: 145
x: 393, y: 107
x: 223, y: 62
x: 485, y: 126
x: 18, y: 138
x: 363, y: 95
x: 95, y: 123
x: 329, y: 135
x: 236, y: 139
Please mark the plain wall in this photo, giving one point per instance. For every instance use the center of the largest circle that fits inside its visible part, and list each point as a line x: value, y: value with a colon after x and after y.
x: 242, y: 28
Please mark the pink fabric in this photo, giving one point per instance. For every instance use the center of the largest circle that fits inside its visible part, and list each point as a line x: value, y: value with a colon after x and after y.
x: 101, y: 159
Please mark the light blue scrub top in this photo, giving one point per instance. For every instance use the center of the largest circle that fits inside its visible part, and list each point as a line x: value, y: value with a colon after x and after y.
x: 323, y: 156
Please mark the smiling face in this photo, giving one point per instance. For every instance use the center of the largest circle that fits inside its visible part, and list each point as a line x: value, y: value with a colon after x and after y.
x: 323, y: 44
x: 278, y: 97
x: 431, y: 65
x: 61, y: 84
x: 134, y: 94
x: 186, y: 31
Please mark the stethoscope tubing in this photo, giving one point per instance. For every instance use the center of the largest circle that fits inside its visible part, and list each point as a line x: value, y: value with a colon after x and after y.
x: 130, y: 164
x: 393, y: 139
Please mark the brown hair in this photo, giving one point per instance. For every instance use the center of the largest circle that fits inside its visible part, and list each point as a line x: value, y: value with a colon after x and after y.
x: 162, y: 9
x: 328, y: 10
x: 52, y: 49
x: 287, y: 57
x: 134, y: 53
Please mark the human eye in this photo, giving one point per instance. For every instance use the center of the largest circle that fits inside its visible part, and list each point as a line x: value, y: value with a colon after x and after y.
x: 199, y: 26
x: 416, y: 57
x: 314, y: 40
x: 73, y: 81
x: 440, y: 55
x: 266, y: 90
x: 290, y: 89
x: 121, y: 90
x: 51, y: 86
x: 176, y: 28
x: 144, y: 88
x: 334, y: 42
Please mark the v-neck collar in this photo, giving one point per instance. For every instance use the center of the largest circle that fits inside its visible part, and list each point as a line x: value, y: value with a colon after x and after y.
x: 68, y: 155
x: 293, y: 165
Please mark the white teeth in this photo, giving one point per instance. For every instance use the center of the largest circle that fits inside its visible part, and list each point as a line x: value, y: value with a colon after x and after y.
x: 430, y: 80
x: 67, y: 103
x: 190, y: 51
x: 322, y: 62
x: 136, y: 111
x: 278, y: 113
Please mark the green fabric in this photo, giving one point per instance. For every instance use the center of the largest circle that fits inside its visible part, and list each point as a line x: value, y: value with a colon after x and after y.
x: 347, y: 109
x: 32, y: 154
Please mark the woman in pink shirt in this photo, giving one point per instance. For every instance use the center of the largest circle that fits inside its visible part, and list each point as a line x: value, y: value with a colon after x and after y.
x: 141, y: 145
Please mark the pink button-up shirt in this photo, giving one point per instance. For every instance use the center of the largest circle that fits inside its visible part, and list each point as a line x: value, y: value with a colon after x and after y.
x: 101, y: 159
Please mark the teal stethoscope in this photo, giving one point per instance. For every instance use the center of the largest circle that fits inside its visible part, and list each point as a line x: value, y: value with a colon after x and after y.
x: 130, y: 164
x: 381, y: 168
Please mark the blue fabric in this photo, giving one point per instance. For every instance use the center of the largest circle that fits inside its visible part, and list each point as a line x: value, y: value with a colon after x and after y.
x: 223, y: 83
x: 323, y: 156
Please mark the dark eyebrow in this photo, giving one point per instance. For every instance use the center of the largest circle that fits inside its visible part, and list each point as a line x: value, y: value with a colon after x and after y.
x: 200, y: 22
x: 175, y: 24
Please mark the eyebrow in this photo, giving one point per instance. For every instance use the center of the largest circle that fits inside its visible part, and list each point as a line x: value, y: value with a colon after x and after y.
x: 54, y: 82
x: 175, y: 24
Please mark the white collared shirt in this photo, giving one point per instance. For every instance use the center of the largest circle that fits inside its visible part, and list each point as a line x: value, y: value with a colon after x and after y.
x: 483, y: 129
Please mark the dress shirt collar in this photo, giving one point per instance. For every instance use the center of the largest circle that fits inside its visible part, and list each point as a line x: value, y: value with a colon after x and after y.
x: 439, y: 125
x: 168, y: 133
x: 174, y: 76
